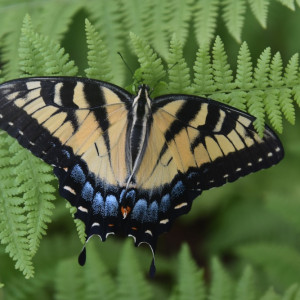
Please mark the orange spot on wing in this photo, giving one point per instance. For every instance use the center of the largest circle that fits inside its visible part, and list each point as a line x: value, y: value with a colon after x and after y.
x: 133, y: 228
x: 125, y: 211
x: 111, y: 225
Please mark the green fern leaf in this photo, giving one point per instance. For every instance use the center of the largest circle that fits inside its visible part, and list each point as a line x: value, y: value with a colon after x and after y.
x: 131, y: 283
x: 260, y: 10
x: 32, y: 178
x: 135, y: 17
x: 270, y: 295
x: 190, y: 278
x: 234, y: 16
x: 244, y: 80
x: 13, y: 227
x: 221, y: 285
x: 291, y: 71
x: 203, y: 77
x: 222, y: 73
x: 98, y: 62
x: 272, y: 99
x: 244, y: 68
x: 68, y: 281
x: 179, y: 73
x: 56, y: 27
x: 288, y: 3
x: 31, y: 61
x: 178, y: 17
x: 245, y: 289
x: 261, y: 72
x: 206, y: 20
x: 261, y: 81
x: 41, y: 56
x: 157, y: 32
x: 290, y: 79
x: 151, y: 66
x: 296, y: 92
x: 292, y: 293
x: 80, y: 226
x: 99, y: 283
x: 280, y: 262
x: 107, y: 19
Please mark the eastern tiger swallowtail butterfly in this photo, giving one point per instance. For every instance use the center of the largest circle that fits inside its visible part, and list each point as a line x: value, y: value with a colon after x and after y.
x: 130, y: 163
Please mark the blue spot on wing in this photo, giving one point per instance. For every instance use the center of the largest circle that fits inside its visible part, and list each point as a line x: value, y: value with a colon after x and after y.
x: 165, y: 203
x: 111, y: 206
x: 152, y: 212
x: 78, y: 175
x: 98, y: 203
x: 66, y: 153
x: 131, y: 195
x: 177, y: 190
x: 122, y: 195
x: 87, y: 192
x: 139, y: 210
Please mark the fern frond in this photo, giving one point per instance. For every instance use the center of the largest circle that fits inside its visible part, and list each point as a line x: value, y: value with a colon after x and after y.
x: 179, y: 74
x: 31, y: 61
x: 190, y: 278
x: 95, y: 269
x: 292, y: 293
x: 222, y: 72
x: 260, y: 10
x: 135, y: 16
x: 261, y: 81
x: 13, y: 227
x: 234, y: 17
x: 80, y: 226
x: 131, y: 282
x: 221, y: 285
x: 56, y: 27
x: 243, y: 80
x: 245, y: 288
x: 41, y: 56
x: 106, y: 17
x: 68, y: 281
x: 288, y: 3
x: 178, y: 15
x: 90, y: 283
x: 32, y: 179
x: 270, y: 295
x: 206, y: 13
x: 280, y: 262
x: 157, y: 32
x: 151, y: 66
x: 99, y: 67
x: 203, y: 77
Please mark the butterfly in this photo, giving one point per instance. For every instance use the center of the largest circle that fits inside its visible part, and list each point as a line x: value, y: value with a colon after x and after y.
x: 129, y: 163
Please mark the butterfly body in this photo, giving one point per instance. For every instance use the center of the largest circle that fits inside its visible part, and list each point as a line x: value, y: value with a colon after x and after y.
x: 130, y: 163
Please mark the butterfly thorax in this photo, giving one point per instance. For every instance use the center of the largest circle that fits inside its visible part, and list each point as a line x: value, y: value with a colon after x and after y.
x: 140, y: 118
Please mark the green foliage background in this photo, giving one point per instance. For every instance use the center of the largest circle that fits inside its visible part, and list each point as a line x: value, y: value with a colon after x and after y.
x: 240, y: 241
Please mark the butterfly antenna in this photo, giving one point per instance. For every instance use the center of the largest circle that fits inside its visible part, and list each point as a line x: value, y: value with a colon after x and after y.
x: 124, y: 61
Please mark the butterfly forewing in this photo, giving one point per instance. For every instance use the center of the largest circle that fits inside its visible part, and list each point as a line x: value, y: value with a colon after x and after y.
x: 213, y: 143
